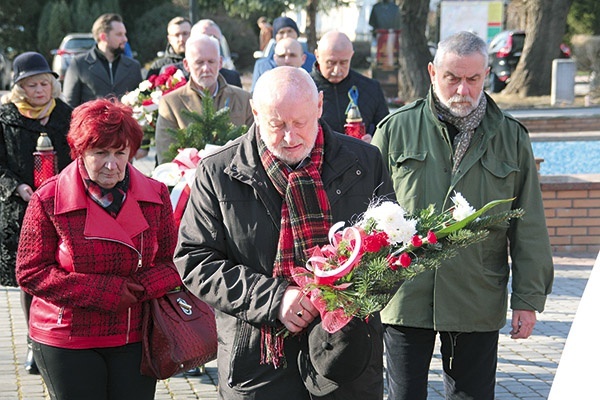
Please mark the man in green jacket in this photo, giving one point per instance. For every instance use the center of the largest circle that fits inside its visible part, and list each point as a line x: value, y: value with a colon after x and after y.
x: 458, y: 140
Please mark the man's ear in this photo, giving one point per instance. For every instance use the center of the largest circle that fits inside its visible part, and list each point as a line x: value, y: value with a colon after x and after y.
x: 186, y: 65
x: 254, y: 112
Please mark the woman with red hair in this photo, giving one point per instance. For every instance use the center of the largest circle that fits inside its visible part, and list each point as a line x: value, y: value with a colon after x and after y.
x: 97, y: 241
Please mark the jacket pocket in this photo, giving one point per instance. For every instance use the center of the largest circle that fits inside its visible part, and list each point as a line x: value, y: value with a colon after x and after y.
x: 498, y: 178
x: 407, y: 171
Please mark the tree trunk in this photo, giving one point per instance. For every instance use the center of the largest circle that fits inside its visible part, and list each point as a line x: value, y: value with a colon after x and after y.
x: 311, y: 24
x: 414, y: 55
x: 545, y: 26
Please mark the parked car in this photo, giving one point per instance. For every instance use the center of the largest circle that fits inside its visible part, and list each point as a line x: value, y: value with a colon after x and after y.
x: 71, y: 45
x: 504, y: 53
x: 5, y: 71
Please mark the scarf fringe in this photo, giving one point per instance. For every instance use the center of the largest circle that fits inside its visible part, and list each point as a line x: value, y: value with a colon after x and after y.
x: 271, y: 349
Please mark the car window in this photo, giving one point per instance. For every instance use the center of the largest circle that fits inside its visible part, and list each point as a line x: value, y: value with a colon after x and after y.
x: 518, y: 41
x: 80, y: 43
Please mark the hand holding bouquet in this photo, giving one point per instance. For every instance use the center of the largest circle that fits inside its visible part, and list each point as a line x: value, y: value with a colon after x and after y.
x: 357, y: 274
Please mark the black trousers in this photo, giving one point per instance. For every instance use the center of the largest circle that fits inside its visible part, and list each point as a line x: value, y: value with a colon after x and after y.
x: 111, y: 373
x: 469, y: 361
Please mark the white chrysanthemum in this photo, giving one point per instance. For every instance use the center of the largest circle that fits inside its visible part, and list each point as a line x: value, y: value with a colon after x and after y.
x: 384, y: 213
x: 462, y: 208
x: 130, y: 98
x: 156, y: 95
x: 179, y: 75
x: 389, y: 217
x: 401, y: 231
x: 145, y: 85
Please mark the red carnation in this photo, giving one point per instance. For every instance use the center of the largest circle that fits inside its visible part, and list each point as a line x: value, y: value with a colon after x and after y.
x: 393, y: 263
x: 405, y: 260
x: 375, y: 242
x: 431, y: 238
x: 161, y: 79
x: 416, y: 241
x: 152, y: 79
x: 170, y: 70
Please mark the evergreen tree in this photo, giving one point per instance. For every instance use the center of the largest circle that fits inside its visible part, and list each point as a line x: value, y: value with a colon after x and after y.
x: 210, y: 127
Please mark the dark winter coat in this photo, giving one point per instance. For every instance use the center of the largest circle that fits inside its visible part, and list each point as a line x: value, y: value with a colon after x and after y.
x: 371, y: 100
x: 18, y: 138
x: 227, y: 245
x: 75, y: 258
x: 87, y: 77
x: 168, y: 59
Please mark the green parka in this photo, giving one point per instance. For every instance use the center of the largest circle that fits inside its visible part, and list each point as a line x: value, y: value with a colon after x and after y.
x: 469, y: 292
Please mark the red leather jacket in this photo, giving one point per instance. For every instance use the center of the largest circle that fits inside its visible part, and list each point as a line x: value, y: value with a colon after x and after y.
x: 74, y: 258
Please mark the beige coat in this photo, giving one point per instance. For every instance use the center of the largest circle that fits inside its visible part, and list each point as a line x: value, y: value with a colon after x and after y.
x: 171, y: 115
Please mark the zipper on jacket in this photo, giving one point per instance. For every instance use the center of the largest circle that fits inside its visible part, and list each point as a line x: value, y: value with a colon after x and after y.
x: 140, y: 252
x: 60, y: 316
x: 139, y: 265
x: 110, y: 73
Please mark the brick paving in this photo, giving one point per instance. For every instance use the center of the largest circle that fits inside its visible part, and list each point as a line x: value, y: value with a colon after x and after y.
x: 526, y: 368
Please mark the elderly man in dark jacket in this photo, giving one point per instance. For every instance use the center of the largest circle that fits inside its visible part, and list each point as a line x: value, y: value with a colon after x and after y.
x: 242, y: 224
x: 102, y: 71
x: 340, y: 84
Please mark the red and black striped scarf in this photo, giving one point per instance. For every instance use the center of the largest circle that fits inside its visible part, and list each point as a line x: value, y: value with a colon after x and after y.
x: 305, y: 223
x: 109, y: 199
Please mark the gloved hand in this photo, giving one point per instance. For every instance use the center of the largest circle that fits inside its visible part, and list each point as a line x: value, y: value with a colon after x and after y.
x: 129, y: 295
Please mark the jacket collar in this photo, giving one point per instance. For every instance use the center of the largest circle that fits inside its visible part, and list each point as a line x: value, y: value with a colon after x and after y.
x: 97, y: 62
x: 246, y: 166
x: 321, y: 81
x: 70, y: 196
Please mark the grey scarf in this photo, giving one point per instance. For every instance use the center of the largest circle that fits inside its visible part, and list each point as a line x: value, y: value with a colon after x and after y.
x: 466, y: 127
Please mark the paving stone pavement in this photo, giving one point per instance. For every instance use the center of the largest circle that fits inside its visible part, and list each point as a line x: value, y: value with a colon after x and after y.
x: 526, y: 368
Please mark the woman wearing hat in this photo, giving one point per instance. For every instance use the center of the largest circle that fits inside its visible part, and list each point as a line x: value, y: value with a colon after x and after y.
x: 31, y: 107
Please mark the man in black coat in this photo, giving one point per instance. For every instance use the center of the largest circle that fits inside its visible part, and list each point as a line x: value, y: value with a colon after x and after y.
x: 335, y: 78
x: 178, y: 32
x: 252, y: 203
x: 102, y: 71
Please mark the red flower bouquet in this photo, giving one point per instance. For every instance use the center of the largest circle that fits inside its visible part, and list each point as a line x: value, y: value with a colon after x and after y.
x: 144, y: 100
x: 359, y: 271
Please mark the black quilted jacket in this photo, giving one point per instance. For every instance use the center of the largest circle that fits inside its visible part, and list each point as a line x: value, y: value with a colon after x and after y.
x: 18, y: 138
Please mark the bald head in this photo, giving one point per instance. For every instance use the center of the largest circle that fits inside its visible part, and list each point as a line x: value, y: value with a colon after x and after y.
x: 335, y: 41
x: 334, y: 53
x: 284, y: 84
x: 206, y: 27
x: 286, y: 107
x: 288, y: 51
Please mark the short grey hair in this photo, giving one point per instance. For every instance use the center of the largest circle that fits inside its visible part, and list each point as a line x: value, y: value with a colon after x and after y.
x: 462, y: 44
x: 194, y: 40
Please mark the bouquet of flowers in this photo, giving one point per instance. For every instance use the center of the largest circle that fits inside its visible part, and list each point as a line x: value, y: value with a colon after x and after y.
x: 144, y: 100
x: 357, y: 274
